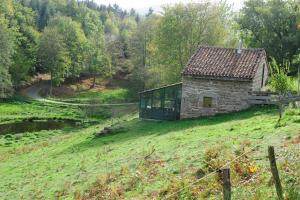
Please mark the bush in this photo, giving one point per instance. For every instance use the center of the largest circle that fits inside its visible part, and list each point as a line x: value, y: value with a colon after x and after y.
x: 280, y: 81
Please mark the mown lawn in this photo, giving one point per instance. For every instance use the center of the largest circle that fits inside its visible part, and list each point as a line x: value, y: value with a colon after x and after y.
x: 154, y: 160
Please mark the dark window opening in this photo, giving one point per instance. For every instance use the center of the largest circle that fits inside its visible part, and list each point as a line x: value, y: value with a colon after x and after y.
x: 263, y: 76
x: 207, y: 102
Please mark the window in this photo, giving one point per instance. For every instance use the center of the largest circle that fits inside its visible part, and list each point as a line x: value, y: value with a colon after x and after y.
x: 170, y: 96
x: 149, y: 101
x: 157, y: 96
x: 169, y: 104
x: 207, y: 102
x: 143, y: 101
x: 263, y: 76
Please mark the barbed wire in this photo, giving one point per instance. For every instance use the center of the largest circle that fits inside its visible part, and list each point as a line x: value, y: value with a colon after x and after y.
x: 193, y: 183
x: 242, y: 183
x: 224, y: 166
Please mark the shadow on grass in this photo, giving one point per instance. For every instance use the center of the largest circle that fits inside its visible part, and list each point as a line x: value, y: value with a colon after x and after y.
x: 17, y: 99
x: 138, y: 128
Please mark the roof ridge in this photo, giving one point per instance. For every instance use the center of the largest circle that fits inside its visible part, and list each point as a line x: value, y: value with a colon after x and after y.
x: 229, y: 48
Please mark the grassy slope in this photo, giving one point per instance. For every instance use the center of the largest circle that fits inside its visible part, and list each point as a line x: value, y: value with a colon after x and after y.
x: 72, y: 161
x: 19, y: 108
x: 82, y: 93
x: 106, y: 96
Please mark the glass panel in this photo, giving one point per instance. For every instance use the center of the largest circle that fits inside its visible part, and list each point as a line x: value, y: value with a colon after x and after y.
x: 169, y: 104
x: 179, y: 94
x: 143, y: 102
x: 170, y: 94
x: 149, y: 101
x: 207, y: 102
x: 157, y: 99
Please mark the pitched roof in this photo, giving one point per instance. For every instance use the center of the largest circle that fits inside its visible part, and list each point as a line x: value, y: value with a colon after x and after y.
x: 214, y: 62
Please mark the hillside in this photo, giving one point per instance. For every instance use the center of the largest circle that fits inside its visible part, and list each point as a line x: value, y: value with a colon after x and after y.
x: 77, y: 76
x: 147, y: 159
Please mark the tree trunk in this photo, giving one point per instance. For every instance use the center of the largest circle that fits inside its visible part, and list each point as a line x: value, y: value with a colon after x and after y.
x: 94, y: 81
x: 51, y: 85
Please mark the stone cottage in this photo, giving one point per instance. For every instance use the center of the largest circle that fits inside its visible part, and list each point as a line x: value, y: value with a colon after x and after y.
x: 219, y: 80
x: 215, y: 80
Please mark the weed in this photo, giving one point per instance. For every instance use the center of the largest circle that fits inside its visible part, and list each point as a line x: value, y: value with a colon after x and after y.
x: 214, y: 158
x: 103, y: 189
x: 65, y: 191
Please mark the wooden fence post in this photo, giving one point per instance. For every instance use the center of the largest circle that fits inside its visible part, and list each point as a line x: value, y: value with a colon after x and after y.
x: 226, y: 184
x: 275, y: 173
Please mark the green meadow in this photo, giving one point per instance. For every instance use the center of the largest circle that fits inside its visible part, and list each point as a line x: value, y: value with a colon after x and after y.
x: 147, y: 159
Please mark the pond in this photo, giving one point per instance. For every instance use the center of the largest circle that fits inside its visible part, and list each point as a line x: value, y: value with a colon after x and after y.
x: 35, y: 126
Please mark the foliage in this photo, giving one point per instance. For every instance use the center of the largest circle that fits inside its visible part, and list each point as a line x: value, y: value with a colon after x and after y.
x: 145, y: 51
x: 75, y: 40
x: 181, y: 30
x: 272, y: 24
x: 280, y: 82
x: 26, y: 19
x: 142, y: 50
x: 53, y: 55
x: 24, y: 35
x: 6, y: 52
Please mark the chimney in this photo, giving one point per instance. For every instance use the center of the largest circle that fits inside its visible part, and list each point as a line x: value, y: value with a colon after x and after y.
x: 239, y: 49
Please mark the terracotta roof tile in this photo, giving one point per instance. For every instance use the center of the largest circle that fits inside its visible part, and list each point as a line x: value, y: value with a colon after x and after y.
x: 214, y: 62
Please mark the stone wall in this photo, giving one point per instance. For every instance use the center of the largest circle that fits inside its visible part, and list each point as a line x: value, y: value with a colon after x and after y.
x: 261, y: 76
x: 228, y: 96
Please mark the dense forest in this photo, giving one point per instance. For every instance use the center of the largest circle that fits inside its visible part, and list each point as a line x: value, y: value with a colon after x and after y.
x: 68, y: 38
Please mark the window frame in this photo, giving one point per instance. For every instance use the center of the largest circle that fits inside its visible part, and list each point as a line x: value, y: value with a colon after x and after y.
x: 207, y: 102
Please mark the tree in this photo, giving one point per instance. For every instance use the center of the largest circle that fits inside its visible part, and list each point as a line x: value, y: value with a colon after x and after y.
x: 53, y: 56
x: 280, y: 82
x: 142, y: 50
x: 272, y: 24
x: 150, y: 12
x: 98, y: 61
x: 181, y: 30
x: 6, y: 52
x: 27, y: 38
x: 21, y: 21
x: 75, y: 41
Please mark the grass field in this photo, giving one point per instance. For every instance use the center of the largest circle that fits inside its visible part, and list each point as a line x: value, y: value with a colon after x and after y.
x: 151, y: 160
x: 102, y: 93
x: 20, y: 108
x: 105, y: 96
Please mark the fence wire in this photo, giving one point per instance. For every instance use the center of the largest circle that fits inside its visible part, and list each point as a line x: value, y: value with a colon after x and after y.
x: 240, y: 184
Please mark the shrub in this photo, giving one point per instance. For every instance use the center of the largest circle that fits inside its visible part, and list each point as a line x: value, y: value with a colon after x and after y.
x: 280, y: 81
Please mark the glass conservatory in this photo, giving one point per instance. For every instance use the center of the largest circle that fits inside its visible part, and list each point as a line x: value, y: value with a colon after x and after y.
x: 161, y: 103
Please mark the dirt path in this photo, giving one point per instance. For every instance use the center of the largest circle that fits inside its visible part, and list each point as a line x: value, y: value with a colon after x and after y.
x: 34, y: 90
